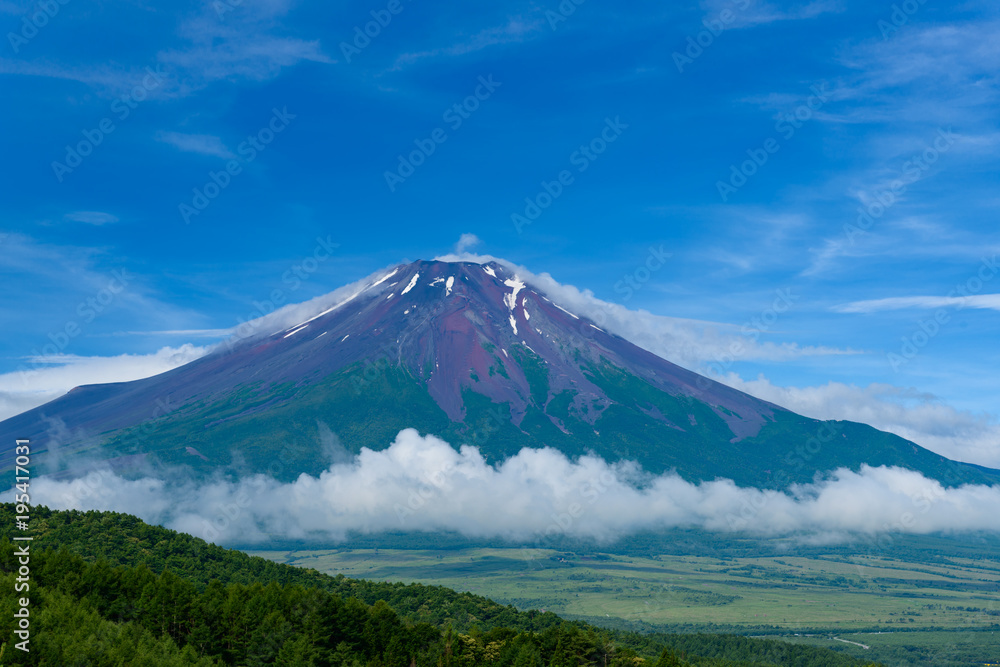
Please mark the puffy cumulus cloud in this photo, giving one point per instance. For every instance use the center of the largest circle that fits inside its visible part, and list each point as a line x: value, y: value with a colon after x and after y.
x: 420, y: 483
x: 467, y: 242
x: 44, y: 378
x: 920, y: 417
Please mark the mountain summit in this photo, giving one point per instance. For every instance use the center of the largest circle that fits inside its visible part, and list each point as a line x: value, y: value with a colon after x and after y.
x: 471, y: 353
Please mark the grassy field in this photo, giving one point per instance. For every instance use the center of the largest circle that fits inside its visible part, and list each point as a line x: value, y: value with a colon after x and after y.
x: 789, y: 594
x: 929, y: 647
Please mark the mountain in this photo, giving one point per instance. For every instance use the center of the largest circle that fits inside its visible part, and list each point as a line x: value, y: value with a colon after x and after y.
x: 465, y: 351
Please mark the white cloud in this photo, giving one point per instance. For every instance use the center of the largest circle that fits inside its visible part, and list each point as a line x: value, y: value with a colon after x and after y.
x: 242, y: 44
x: 515, y: 30
x: 916, y: 416
x: 68, y: 279
x: 220, y: 42
x: 980, y: 301
x: 91, y: 217
x: 204, y: 144
x: 107, y: 80
x: 196, y: 333
x: 467, y: 242
x: 424, y: 484
x: 48, y: 377
x: 763, y: 13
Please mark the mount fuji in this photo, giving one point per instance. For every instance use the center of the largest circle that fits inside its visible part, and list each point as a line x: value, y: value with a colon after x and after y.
x: 466, y: 351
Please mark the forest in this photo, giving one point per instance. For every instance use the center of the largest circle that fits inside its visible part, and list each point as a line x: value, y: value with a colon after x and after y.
x: 108, y: 589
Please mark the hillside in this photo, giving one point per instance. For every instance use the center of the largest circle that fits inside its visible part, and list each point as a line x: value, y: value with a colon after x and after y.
x: 118, y: 591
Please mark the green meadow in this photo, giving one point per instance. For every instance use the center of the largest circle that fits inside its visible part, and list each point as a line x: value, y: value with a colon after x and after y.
x: 904, y: 612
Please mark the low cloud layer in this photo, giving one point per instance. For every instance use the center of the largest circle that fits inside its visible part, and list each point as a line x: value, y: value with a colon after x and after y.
x: 420, y: 483
x: 919, y: 417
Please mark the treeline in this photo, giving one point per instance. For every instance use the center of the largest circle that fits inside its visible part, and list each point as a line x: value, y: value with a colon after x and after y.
x: 120, y: 592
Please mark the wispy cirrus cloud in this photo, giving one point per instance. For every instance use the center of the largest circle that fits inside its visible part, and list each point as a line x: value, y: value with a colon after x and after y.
x: 978, y: 301
x: 515, y: 30
x: 91, y: 217
x: 942, y: 74
x: 194, y: 333
x: 107, y: 80
x: 748, y: 13
x: 249, y: 43
x: 204, y: 144
x: 928, y: 90
x: 246, y: 45
x: 85, y: 289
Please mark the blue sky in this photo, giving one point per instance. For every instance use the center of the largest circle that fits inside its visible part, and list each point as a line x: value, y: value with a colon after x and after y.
x: 117, y: 115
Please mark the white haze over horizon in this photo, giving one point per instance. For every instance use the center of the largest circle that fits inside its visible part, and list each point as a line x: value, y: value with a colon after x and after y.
x: 699, y: 346
x: 423, y: 484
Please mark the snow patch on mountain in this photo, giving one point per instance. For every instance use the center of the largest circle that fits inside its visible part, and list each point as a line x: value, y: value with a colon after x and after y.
x: 413, y: 283
x: 379, y: 282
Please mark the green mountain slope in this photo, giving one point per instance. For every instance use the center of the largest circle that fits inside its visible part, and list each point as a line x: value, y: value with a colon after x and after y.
x: 788, y: 449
